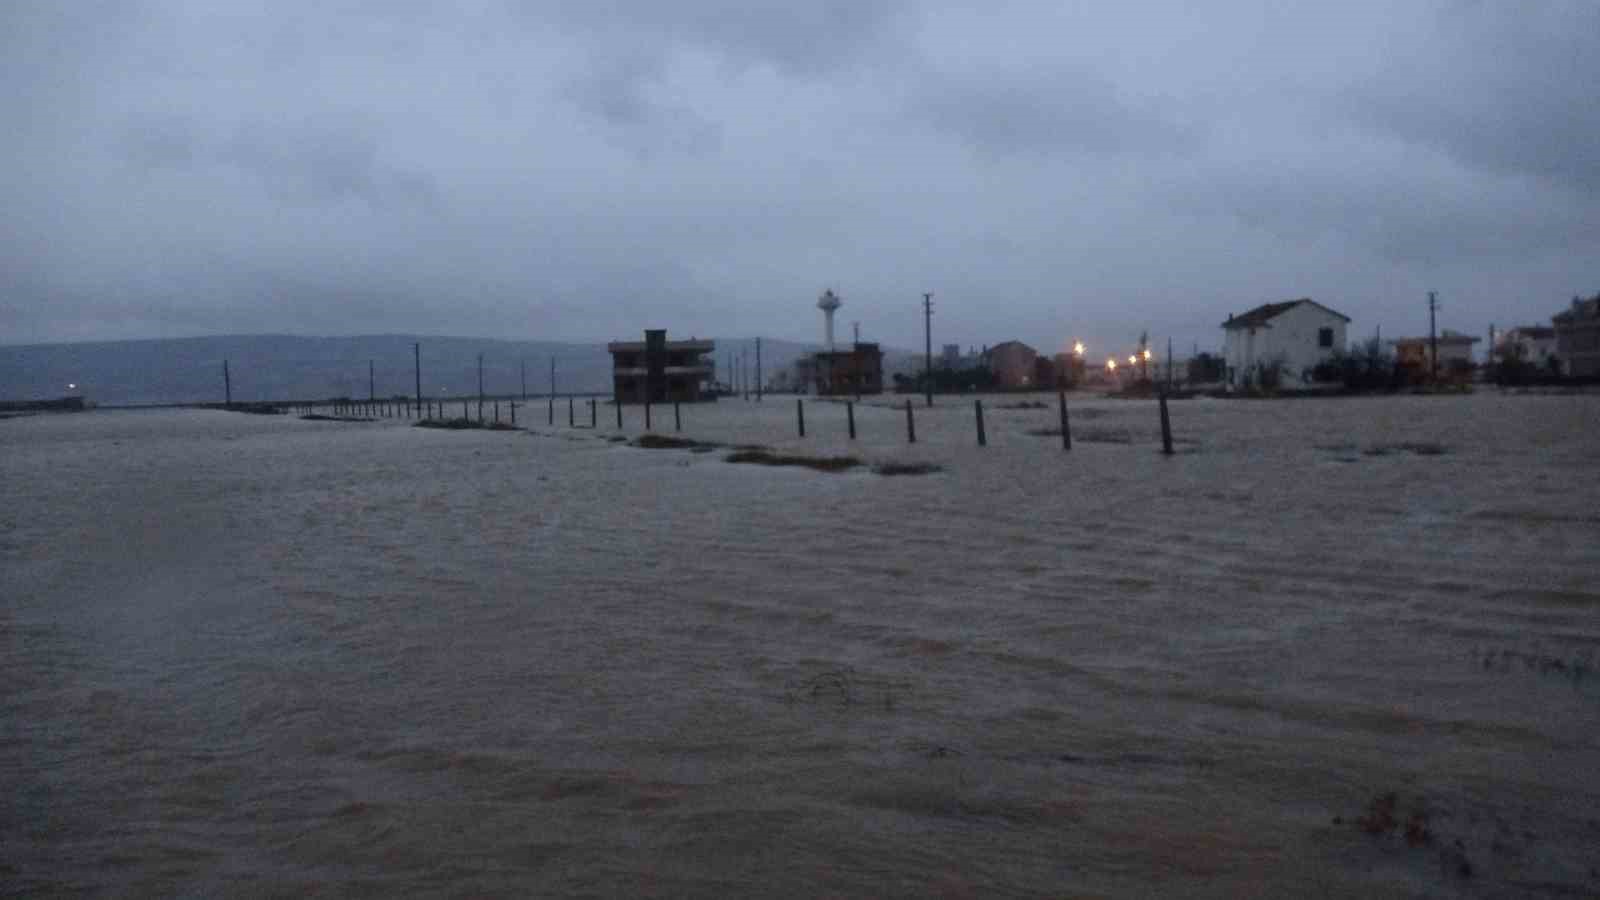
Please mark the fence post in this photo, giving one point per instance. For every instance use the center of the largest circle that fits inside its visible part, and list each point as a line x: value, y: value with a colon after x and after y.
x: 513, y: 412
x: 594, y: 412
x: 466, y: 411
x: 1066, y: 428
x: 850, y: 413
x: 677, y: 417
x: 497, y: 412
x: 572, y: 416
x: 647, y: 414
x: 1166, y: 427
x: 911, y: 424
x: 977, y: 406
x: 800, y: 414
x: 619, y: 413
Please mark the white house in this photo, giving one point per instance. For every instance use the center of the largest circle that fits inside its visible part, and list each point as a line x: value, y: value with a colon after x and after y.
x: 1530, y: 343
x: 1293, y: 337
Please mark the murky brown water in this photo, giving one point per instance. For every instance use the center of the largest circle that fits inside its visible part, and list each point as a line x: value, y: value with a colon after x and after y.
x: 244, y: 655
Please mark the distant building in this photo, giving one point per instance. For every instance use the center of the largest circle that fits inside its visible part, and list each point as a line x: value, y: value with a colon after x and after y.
x: 1531, y: 344
x: 1294, y: 337
x: 1578, y: 337
x: 657, y: 370
x: 1455, y: 351
x: 858, y: 370
x: 950, y: 356
x: 1012, y: 363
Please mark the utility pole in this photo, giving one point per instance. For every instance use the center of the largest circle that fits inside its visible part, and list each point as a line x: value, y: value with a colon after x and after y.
x: 372, y: 390
x: 927, y: 341
x: 227, y: 385
x: 1169, y: 365
x: 758, y: 370
x: 1433, y: 337
x: 416, y: 351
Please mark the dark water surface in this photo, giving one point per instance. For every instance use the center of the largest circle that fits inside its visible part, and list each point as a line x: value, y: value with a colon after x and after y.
x: 259, y: 656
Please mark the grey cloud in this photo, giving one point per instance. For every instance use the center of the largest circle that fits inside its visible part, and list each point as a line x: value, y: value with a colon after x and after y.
x: 1509, y: 88
x: 1064, y: 109
x: 1398, y: 215
x: 806, y: 38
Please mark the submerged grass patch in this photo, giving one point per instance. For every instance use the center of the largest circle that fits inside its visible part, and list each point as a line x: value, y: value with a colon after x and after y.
x: 1415, y: 448
x: 768, y: 458
x: 907, y: 468
x: 666, y: 442
x: 465, y: 424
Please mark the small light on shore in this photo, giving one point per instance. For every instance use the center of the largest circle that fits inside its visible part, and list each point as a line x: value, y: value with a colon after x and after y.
x: 1111, y: 365
x: 1078, y: 348
x: 72, y: 387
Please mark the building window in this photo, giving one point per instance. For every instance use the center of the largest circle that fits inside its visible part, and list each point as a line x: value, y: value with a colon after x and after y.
x: 1324, y: 337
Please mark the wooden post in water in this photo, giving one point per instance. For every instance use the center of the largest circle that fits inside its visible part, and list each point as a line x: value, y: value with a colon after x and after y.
x: 497, y: 412
x: 466, y: 411
x: 1066, y: 427
x: 572, y: 415
x: 480, y: 387
x: 619, y: 413
x: 911, y: 424
x: 552, y: 408
x: 594, y: 412
x: 800, y: 414
x: 1166, y: 427
x: 227, y: 386
x: 647, y: 415
x: 977, y: 406
x: 513, y: 413
x: 850, y: 414
x: 677, y: 417
x: 416, y: 355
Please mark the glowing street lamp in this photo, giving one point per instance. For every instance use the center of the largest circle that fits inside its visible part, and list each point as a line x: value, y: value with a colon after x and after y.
x: 1078, y: 348
x: 1133, y: 360
x: 1111, y: 365
x: 72, y: 386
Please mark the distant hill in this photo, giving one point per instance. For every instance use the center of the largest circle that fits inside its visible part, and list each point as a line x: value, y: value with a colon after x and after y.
x: 283, y: 367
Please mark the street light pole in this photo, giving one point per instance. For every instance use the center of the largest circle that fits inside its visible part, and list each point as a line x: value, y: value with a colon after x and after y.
x: 927, y: 339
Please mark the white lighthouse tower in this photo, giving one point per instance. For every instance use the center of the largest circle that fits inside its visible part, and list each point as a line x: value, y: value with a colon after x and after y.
x: 829, y: 303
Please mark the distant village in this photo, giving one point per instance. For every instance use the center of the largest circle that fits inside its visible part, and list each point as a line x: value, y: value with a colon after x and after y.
x: 1291, y: 346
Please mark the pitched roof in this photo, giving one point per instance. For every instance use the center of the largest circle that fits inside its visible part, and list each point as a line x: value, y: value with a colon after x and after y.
x: 1258, y: 317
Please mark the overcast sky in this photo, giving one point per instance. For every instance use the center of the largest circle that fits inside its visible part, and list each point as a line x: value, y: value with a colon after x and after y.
x: 581, y: 170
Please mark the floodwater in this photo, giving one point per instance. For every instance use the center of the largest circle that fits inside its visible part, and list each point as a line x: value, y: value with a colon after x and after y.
x: 264, y: 656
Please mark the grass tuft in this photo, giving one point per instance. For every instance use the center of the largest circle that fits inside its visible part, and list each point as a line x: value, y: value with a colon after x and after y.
x: 465, y: 424
x: 768, y: 458
x: 907, y: 468
x: 666, y: 442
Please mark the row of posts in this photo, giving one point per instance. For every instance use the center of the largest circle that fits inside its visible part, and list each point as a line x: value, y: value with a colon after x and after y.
x: 426, y: 409
x: 977, y: 408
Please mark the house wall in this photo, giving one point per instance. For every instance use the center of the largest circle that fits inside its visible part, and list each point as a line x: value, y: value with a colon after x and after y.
x: 1293, y: 335
x: 1578, y: 339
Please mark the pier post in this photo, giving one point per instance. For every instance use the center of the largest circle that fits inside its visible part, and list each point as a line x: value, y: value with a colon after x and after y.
x: 911, y: 424
x: 850, y: 414
x: 1066, y: 428
x: 977, y: 406
x: 1166, y: 427
x: 800, y: 415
